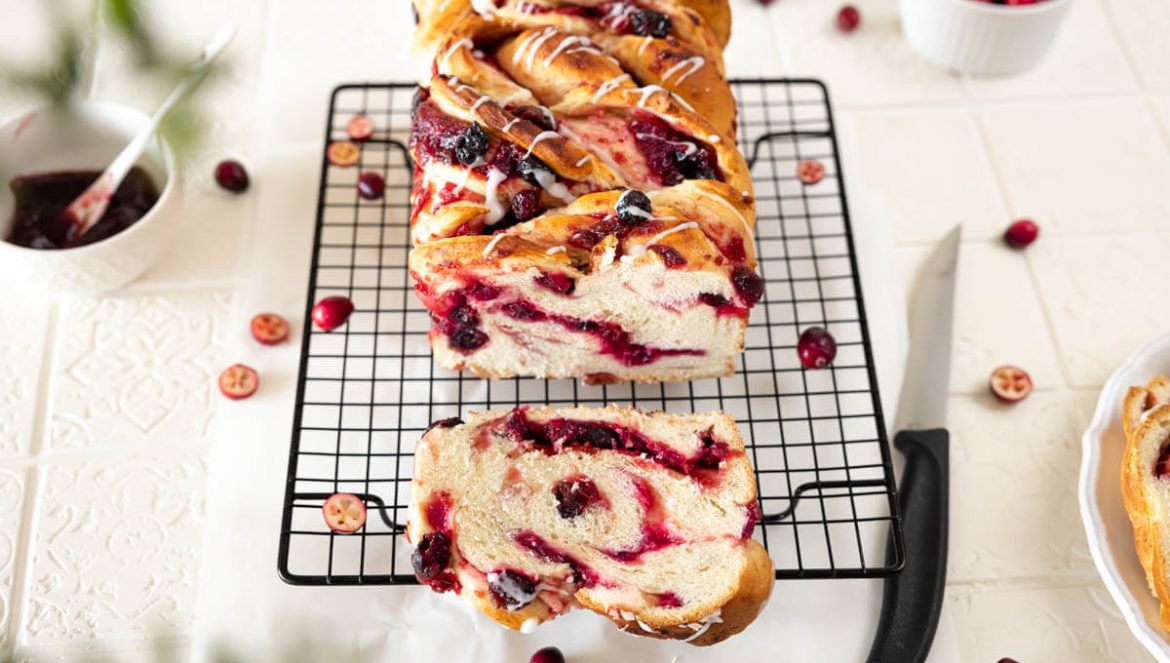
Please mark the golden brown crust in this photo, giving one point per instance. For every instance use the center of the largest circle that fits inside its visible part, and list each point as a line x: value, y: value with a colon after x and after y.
x: 1144, y: 505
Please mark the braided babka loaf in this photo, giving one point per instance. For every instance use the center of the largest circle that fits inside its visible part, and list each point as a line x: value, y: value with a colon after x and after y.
x: 596, y: 139
x: 643, y: 518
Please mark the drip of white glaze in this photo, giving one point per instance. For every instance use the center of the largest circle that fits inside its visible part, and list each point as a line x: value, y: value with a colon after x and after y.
x: 609, y: 86
x: 528, y: 627
x: 682, y: 102
x: 527, y: 43
x: 540, y: 137
x: 479, y: 102
x: 696, y: 63
x: 487, y: 250
x: 583, y: 160
x: 647, y: 92
x: 544, y: 36
x: 690, y: 147
x: 714, y: 139
x: 495, y: 207
x: 566, y: 43
x: 645, y: 43
x: 555, y: 250
x: 641, y: 249
x: 548, y: 181
x: 485, y: 8
x: 511, y: 123
x: 462, y: 43
x: 734, y: 210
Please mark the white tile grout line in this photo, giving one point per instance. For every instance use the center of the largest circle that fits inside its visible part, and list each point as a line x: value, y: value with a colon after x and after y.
x: 1130, y: 60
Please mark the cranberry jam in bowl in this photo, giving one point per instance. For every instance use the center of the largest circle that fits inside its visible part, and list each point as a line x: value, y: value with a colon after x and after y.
x: 47, y: 158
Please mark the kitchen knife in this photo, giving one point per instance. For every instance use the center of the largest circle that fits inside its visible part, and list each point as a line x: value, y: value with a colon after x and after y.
x: 912, y: 599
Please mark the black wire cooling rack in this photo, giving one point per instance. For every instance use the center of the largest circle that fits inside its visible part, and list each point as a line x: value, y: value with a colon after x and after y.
x: 368, y: 391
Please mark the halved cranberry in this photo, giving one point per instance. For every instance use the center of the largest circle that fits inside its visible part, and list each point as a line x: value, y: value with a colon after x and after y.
x: 525, y: 204
x: 748, y: 284
x: 332, y: 312
x: 538, y: 115
x: 810, y: 171
x: 431, y: 555
x: 269, y: 329
x: 472, y: 145
x: 1021, y: 233
x: 533, y: 170
x: 670, y: 257
x: 1010, y: 384
x: 510, y: 589
x: 816, y: 348
x: 559, y: 283
x: 633, y: 207
x: 370, y: 185
x: 344, y: 513
x: 648, y: 23
x: 575, y: 495
x: 547, y: 655
x: 238, y: 382
x: 449, y: 422
x: 848, y: 18
x: 359, y: 128
x: 231, y: 175
x: 343, y: 153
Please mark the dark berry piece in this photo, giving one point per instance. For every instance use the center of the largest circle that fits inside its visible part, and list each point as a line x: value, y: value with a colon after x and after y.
x: 848, y: 18
x: 506, y: 159
x: 633, y: 207
x: 1021, y: 233
x: 575, y: 496
x: 431, y: 556
x: 511, y: 590
x: 472, y: 145
x: 449, y: 422
x: 370, y: 185
x: 558, y: 283
x: 230, y: 175
x: 748, y: 284
x: 816, y: 348
x: 547, y: 655
x: 538, y: 115
x: 713, y: 300
x: 522, y: 310
x: 526, y: 204
x: 530, y: 169
x: 597, y: 437
x: 648, y: 23
x: 670, y: 257
x: 469, y: 338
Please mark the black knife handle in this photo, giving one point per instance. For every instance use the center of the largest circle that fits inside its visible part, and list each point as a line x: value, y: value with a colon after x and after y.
x: 912, y: 599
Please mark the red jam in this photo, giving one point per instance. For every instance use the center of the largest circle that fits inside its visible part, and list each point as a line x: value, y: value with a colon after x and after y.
x: 670, y: 154
x: 655, y: 533
x: 438, y: 512
x: 583, y: 576
x: 671, y: 258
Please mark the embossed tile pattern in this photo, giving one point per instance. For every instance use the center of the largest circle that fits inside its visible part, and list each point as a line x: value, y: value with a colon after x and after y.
x: 23, y: 328
x: 12, y: 486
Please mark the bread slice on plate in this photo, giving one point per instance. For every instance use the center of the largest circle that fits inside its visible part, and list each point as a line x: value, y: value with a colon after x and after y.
x: 643, y: 518
x: 1145, y: 481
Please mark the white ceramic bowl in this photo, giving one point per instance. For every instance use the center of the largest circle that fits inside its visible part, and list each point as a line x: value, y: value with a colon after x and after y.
x: 88, y: 138
x: 1106, y: 523
x: 979, y: 37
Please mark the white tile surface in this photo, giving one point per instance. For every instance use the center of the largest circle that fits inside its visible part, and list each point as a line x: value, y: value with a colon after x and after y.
x: 23, y: 326
x: 12, y: 489
x: 1142, y: 26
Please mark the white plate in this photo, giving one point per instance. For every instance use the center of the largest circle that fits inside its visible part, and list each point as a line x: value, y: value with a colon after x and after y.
x: 1106, y: 524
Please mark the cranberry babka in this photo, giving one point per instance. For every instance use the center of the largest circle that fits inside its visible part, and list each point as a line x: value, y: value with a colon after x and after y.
x: 617, y: 286
x: 643, y: 518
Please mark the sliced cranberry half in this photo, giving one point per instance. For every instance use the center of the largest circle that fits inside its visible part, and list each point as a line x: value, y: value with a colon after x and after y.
x: 332, y: 312
x: 816, y: 347
x: 431, y: 555
x: 344, y: 513
x: 360, y: 128
x: 810, y: 171
x: 1010, y: 384
x: 269, y: 329
x: 238, y: 382
x: 547, y: 655
x: 525, y: 204
x: 343, y: 153
x: 232, y: 176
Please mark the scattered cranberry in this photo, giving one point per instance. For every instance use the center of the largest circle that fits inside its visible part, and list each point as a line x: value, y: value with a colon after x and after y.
x: 848, y: 18
x: 547, y: 655
x: 344, y: 513
x: 238, y: 382
x: 1021, y: 233
x: 269, y: 329
x: 1005, y: 659
x: 817, y: 348
x: 360, y: 128
x: 1010, y: 384
x: 525, y: 204
x: 431, y: 555
x: 343, y: 153
x: 810, y: 171
x: 575, y: 495
x: 633, y: 207
x: 332, y: 312
x: 230, y: 175
x: 511, y: 590
x: 370, y: 185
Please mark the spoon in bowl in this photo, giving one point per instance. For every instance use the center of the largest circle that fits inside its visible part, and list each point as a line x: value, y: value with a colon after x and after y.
x: 87, y: 209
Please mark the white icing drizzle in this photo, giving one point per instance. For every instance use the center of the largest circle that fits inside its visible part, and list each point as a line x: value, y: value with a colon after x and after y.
x: 548, y: 182
x: 554, y: 250
x: 583, y: 160
x: 617, y: 13
x: 467, y: 173
x: 704, y: 624
x: 549, y: 33
x: 566, y: 43
x: 696, y: 63
x: 511, y: 123
x: 495, y: 207
x: 540, y: 137
x: 645, y: 43
x: 527, y: 43
x: 479, y: 102
x: 682, y: 102
x: 486, y: 252
x: 485, y: 8
x: 690, y: 147
x: 609, y: 86
x: 592, y: 50
x: 548, y: 114
x: 462, y: 43
x: 714, y: 139
x: 642, y: 625
x: 529, y: 626
x: 631, y: 210
x: 647, y: 92
x: 641, y: 249
x: 735, y: 210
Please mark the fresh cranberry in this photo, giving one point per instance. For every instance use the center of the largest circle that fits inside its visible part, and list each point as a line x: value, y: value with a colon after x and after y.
x: 525, y: 204
x: 848, y: 18
x: 648, y: 23
x: 431, y: 555
x: 547, y: 655
x: 633, y: 207
x: 810, y: 171
x: 370, y: 185
x: 1021, y: 233
x: 449, y: 422
x: 559, y: 283
x: 537, y: 115
x: 332, y: 312
x: 343, y: 153
x: 1162, y: 466
x: 575, y: 495
x: 670, y: 257
x: 1005, y: 659
x: 238, y: 382
x: 230, y: 175
x: 511, y: 590
x: 359, y: 128
x: 344, y: 513
x: 533, y: 170
x: 269, y: 329
x: 1010, y: 384
x: 748, y: 284
x: 817, y: 348
x: 472, y: 145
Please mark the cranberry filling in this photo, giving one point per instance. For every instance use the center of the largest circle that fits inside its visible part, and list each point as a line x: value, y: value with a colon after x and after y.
x: 449, y: 422
x: 722, y: 305
x: 510, y: 589
x: 614, y: 340
x: 431, y: 556
x: 668, y: 600
x: 438, y: 511
x: 556, y: 282
x: 434, y: 134
x: 576, y: 495
x: 558, y: 435
x: 671, y: 258
x: 1162, y: 467
x: 753, y: 516
x: 446, y: 581
x: 670, y: 154
x: 582, y: 574
x: 655, y: 533
x: 455, y: 318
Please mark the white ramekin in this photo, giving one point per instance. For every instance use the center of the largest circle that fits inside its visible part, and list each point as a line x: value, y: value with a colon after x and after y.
x: 979, y: 37
x: 85, y: 138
